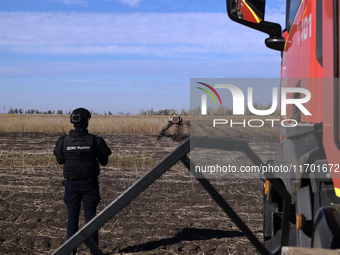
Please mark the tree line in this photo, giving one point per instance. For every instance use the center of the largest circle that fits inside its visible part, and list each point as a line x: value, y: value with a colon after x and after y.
x: 151, y: 111
x: 32, y: 111
x: 141, y: 112
x: 220, y: 111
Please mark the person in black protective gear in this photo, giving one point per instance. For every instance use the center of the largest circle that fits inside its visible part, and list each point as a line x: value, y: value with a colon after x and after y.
x: 80, y: 152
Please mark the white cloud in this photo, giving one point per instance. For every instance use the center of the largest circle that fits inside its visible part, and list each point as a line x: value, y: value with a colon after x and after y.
x: 277, y: 15
x: 132, y: 3
x: 160, y: 34
x: 262, y: 67
x: 78, y: 81
x: 73, y: 2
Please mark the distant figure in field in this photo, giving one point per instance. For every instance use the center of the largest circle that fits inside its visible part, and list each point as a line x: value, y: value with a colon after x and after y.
x: 81, y: 153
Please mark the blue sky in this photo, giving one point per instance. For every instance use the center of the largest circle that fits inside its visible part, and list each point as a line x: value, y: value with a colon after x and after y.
x: 123, y: 55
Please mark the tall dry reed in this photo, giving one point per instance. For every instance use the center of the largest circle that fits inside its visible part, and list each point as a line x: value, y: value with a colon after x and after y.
x: 99, y: 124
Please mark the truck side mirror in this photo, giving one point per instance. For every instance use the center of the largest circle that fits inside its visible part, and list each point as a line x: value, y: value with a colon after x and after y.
x: 251, y: 13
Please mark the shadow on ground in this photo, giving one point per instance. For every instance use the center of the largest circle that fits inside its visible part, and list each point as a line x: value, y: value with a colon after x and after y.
x: 187, y: 234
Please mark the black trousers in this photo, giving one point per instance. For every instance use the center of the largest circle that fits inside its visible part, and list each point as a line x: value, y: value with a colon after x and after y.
x: 75, y: 192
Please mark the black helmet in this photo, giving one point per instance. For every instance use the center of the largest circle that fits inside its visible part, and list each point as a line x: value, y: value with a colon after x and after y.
x: 80, y: 117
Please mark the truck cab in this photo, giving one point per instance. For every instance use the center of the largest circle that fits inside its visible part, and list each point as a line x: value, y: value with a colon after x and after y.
x: 309, y: 46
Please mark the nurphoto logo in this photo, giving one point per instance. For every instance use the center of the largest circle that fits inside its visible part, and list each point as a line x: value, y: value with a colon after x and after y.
x: 239, y: 106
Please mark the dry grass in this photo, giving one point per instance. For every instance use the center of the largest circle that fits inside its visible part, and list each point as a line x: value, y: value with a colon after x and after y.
x: 27, y: 154
x: 25, y: 159
x: 99, y: 124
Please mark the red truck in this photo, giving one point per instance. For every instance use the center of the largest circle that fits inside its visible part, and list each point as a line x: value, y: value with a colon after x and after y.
x: 310, y: 59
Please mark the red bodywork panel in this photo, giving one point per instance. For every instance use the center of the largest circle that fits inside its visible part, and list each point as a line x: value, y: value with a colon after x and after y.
x: 300, y: 67
x: 332, y: 151
x: 298, y: 70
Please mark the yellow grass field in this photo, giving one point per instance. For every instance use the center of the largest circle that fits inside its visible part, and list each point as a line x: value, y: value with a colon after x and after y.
x: 99, y: 124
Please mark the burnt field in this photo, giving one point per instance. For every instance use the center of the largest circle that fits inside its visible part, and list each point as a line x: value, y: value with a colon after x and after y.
x: 175, y: 215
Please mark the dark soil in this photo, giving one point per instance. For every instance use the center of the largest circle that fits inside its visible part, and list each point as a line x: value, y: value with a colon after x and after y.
x: 175, y: 215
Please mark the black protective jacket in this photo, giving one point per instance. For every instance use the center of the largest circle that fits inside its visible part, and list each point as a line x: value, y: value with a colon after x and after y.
x: 81, y: 153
